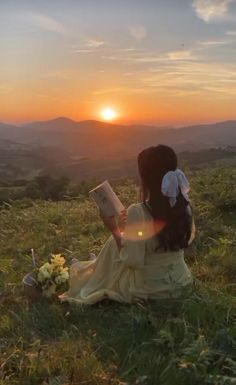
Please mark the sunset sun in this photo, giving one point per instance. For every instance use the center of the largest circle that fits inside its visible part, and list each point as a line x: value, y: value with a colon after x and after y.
x: 108, y: 114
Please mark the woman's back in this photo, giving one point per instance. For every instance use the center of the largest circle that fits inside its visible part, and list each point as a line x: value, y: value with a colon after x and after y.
x: 164, y: 274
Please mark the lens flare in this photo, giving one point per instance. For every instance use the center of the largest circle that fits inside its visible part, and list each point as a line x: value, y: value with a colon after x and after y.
x: 143, y: 230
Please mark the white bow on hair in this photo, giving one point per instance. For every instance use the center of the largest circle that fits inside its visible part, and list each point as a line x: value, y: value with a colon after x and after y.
x: 172, y: 182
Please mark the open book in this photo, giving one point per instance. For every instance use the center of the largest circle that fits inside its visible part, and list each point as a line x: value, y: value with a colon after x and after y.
x: 106, y: 199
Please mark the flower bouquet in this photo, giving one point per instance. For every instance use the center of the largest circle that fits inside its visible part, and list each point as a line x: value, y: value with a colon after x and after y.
x: 48, y: 279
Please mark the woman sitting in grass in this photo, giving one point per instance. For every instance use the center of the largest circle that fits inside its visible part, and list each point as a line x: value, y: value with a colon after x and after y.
x: 146, y: 261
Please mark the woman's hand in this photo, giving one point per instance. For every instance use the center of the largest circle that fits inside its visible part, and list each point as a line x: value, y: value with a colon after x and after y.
x: 110, y: 223
x: 122, y: 220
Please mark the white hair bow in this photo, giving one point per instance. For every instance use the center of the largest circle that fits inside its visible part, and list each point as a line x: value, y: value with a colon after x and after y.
x: 172, y: 183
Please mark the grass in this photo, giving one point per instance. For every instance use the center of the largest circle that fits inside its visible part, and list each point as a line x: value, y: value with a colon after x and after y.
x: 186, y: 342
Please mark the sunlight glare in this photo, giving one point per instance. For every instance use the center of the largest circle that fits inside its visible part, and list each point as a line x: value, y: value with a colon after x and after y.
x: 108, y: 114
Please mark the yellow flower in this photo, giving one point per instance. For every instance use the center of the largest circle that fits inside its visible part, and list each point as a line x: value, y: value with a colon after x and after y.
x: 57, y: 260
x: 52, y: 274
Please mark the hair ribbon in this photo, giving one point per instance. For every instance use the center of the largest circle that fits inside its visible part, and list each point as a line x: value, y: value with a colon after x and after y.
x: 172, y: 183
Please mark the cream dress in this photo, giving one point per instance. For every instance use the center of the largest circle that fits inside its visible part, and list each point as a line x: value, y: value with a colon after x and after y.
x: 138, y: 272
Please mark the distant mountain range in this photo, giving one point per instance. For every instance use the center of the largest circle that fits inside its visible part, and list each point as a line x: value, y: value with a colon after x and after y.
x: 91, y: 149
x: 96, y: 139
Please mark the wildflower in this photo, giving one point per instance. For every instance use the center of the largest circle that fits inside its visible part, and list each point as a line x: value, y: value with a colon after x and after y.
x: 45, y: 272
x: 52, y: 274
x: 57, y: 260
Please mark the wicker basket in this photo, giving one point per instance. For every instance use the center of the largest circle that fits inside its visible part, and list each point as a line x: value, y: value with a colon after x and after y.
x: 31, y: 287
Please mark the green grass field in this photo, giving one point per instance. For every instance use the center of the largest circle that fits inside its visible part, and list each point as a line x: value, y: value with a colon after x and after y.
x: 183, y: 343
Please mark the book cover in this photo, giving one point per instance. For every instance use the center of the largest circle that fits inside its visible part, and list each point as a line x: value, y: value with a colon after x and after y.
x: 106, y: 199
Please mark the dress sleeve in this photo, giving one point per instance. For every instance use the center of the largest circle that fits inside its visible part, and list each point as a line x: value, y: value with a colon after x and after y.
x: 133, y: 250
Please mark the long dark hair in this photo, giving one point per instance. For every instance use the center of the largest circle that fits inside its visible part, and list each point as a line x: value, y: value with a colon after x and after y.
x: 153, y: 164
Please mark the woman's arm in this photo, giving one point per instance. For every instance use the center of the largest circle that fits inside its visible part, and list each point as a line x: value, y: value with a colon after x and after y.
x: 132, y: 252
x: 111, y: 224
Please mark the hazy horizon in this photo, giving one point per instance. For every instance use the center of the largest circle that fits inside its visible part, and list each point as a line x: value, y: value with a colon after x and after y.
x: 162, y: 62
x: 154, y: 124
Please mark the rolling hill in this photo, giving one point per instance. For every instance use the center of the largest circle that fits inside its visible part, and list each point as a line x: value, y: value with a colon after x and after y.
x: 90, y: 138
x: 90, y: 149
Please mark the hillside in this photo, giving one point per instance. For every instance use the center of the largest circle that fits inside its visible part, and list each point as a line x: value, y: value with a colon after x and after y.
x: 26, y: 161
x: 192, y: 341
x: 90, y: 149
x: 91, y: 138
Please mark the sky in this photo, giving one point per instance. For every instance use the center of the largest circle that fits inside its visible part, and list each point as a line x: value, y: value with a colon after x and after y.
x: 164, y: 62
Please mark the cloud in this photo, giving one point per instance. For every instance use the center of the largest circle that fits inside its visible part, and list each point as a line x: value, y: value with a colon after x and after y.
x: 212, y: 10
x: 207, y: 45
x: 183, y: 78
x: 90, y: 46
x: 146, y: 57
x: 231, y: 33
x: 181, y: 55
x: 212, y: 43
x: 83, y: 50
x: 138, y: 32
x: 131, y: 49
x: 186, y: 55
x: 95, y: 43
x: 47, y: 23
x: 113, y: 57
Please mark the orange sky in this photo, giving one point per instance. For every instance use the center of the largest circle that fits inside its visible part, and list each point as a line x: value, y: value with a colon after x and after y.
x: 24, y: 106
x: 74, y: 61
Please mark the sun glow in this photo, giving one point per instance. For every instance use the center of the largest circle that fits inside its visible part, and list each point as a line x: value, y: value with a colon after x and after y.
x: 108, y: 114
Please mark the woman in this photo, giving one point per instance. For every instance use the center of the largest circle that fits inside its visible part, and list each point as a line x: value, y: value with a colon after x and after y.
x: 147, y: 260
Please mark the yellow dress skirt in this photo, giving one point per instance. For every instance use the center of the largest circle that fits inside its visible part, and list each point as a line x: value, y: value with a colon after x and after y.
x: 138, y: 272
